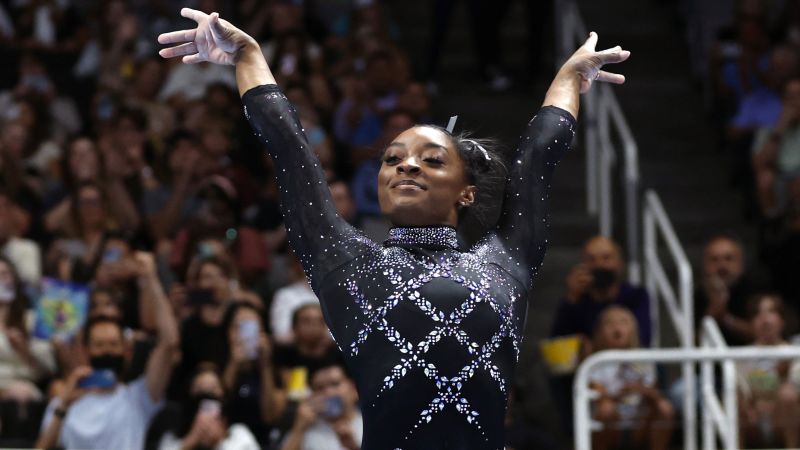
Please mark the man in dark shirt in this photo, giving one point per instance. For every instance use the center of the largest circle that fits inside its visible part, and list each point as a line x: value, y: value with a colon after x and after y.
x: 725, y: 289
x: 593, y: 285
x: 312, y: 343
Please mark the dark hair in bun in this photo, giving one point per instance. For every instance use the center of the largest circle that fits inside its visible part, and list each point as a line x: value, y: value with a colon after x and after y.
x: 485, y: 168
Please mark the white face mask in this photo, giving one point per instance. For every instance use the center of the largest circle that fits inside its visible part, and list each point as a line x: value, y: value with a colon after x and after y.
x: 7, y: 292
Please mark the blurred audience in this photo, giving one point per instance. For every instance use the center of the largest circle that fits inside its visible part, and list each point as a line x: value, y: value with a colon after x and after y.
x: 203, y: 421
x: 329, y: 418
x: 630, y: 406
x: 769, y: 405
x: 96, y: 408
x: 594, y: 285
x: 724, y: 289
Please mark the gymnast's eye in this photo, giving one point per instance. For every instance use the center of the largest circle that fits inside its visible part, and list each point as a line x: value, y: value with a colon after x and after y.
x: 434, y: 161
x: 390, y: 159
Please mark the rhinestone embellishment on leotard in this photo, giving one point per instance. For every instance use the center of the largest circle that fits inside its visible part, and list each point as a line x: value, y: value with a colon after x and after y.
x: 414, y: 355
x: 437, y: 238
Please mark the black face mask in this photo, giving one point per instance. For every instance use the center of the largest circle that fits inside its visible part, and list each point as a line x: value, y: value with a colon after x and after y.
x: 108, y: 361
x: 603, y: 278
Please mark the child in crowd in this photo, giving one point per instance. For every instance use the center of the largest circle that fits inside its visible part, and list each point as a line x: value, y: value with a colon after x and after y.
x: 630, y: 407
x: 768, y: 401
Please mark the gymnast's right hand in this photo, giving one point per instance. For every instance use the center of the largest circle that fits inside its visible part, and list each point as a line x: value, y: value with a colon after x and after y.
x: 214, y: 40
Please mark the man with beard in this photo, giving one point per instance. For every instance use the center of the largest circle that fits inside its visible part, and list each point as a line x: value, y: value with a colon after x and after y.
x: 595, y: 284
x: 96, y: 410
x: 725, y: 289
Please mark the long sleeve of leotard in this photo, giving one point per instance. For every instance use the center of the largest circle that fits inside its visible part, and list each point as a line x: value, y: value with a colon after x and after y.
x: 318, y: 235
x: 524, y: 219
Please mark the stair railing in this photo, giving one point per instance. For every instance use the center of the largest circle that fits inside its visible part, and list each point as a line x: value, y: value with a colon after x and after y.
x: 603, y: 118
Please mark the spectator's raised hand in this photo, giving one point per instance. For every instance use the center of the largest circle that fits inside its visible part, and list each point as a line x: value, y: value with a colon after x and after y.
x: 145, y: 265
x: 588, y: 62
x: 208, y: 430
x: 264, y: 349
x: 718, y: 295
x: 214, y: 40
x: 71, y: 391
x: 307, y: 413
x: 578, y: 282
x: 344, y: 431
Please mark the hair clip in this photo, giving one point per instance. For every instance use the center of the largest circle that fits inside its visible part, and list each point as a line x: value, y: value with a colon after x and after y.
x: 485, y: 153
x: 451, y: 124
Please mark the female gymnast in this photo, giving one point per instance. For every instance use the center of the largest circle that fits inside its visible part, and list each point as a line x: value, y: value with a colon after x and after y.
x: 430, y: 331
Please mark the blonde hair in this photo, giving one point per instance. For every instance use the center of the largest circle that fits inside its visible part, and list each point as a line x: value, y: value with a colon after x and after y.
x: 599, y: 342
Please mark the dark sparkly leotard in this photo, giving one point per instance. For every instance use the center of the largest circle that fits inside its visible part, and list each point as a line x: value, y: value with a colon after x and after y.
x: 430, y: 332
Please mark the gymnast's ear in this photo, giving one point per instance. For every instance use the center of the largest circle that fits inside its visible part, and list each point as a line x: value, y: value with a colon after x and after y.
x: 467, y: 197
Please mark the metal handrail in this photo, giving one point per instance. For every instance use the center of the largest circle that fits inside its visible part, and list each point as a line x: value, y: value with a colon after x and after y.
x: 602, y: 116
x: 584, y: 424
x: 680, y: 305
x: 718, y: 417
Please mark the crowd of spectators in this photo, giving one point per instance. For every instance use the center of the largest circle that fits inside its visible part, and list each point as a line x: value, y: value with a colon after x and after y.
x: 750, y: 66
x: 753, y: 84
x: 754, y: 90
x: 139, y: 180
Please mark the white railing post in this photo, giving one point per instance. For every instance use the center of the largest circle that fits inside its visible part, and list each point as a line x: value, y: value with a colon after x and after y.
x: 589, y: 125
x: 679, y: 305
x: 722, y: 420
x: 583, y: 395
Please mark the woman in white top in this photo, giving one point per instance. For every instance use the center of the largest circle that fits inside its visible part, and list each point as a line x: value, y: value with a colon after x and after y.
x: 204, y: 422
x: 24, y: 361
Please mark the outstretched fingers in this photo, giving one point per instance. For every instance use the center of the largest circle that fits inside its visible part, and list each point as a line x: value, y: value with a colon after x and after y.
x: 609, y: 77
x: 217, y: 28
x: 177, y: 36
x: 194, y: 58
x: 188, y: 48
x: 197, y: 16
x: 591, y: 43
x: 613, y: 55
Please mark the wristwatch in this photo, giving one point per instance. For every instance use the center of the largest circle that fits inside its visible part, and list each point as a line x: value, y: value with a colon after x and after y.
x: 60, y: 412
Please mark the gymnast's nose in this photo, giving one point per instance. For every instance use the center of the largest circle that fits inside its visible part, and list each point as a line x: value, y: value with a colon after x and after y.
x: 409, y: 165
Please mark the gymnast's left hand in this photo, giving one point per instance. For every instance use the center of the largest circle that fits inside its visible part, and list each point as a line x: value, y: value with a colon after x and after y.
x: 214, y: 40
x: 588, y: 63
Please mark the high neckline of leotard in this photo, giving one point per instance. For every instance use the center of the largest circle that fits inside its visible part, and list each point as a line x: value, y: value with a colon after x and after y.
x: 438, y: 237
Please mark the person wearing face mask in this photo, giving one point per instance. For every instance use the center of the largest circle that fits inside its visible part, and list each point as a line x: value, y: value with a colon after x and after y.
x: 595, y: 284
x: 95, y: 409
x: 200, y: 422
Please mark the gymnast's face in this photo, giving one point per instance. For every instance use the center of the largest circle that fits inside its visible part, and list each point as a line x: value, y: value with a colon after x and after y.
x: 423, y: 180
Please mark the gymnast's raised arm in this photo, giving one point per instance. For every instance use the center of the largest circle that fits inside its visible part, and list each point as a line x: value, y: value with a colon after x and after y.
x: 320, y: 238
x: 524, y: 220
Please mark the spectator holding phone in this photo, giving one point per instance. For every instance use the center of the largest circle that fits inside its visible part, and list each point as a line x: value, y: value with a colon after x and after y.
x: 594, y: 285
x: 203, y: 334
x: 202, y: 421
x: 95, y: 409
x: 329, y: 419
x: 249, y: 374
